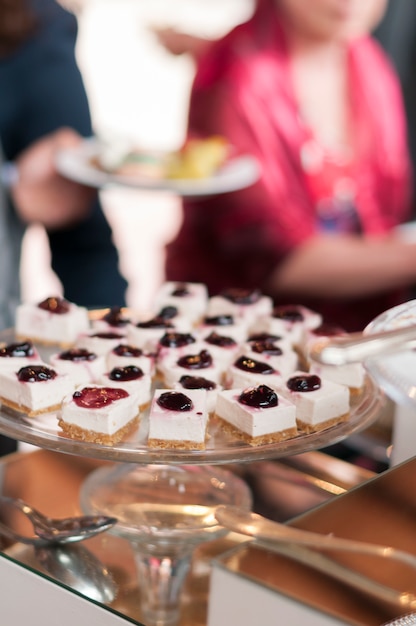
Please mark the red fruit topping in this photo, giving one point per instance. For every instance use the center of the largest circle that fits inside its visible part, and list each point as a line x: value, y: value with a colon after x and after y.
x: 97, y: 397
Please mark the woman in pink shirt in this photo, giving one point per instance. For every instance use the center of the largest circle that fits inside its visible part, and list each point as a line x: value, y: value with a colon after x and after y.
x: 322, y: 112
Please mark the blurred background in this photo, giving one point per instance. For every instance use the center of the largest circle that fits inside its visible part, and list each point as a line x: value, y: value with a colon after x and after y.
x: 136, y: 90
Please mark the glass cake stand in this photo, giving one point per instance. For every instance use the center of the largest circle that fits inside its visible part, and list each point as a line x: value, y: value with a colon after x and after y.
x: 165, y: 499
x: 164, y: 511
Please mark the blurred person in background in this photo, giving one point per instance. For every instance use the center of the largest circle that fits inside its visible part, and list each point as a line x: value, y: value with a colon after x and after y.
x: 42, y: 91
x: 302, y: 87
x: 44, y: 108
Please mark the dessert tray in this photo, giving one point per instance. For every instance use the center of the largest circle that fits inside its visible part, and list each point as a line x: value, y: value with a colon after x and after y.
x: 78, y: 164
x: 221, y: 447
x: 395, y: 373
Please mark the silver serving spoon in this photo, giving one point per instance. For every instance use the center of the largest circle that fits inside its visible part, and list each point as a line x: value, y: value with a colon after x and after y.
x: 295, y: 543
x: 52, y: 531
x: 79, y: 569
x: 356, y: 347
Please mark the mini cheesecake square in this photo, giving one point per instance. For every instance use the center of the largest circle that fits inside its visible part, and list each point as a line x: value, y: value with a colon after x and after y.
x: 199, y: 363
x: 290, y: 321
x: 281, y: 357
x: 52, y: 321
x: 257, y: 415
x: 147, y: 333
x: 248, y: 372
x: 178, y: 419
x: 99, y: 414
x: 246, y: 304
x: 132, y: 379
x: 123, y: 354
x: 189, y: 298
x: 212, y: 388
x: 34, y: 389
x: 81, y: 365
x: 15, y: 355
x: 112, y: 320
x: 99, y: 342
x: 228, y: 325
x: 320, y: 403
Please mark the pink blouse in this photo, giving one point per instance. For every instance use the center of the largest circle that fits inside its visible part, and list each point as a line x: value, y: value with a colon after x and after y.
x: 243, y: 90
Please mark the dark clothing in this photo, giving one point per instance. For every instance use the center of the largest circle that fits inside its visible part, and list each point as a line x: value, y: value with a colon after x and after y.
x: 41, y: 90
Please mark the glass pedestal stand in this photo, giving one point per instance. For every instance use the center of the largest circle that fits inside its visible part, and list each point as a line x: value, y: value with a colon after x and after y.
x: 164, y: 511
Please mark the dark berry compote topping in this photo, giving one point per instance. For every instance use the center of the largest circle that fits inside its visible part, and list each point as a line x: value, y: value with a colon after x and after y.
x: 155, y: 322
x: 35, y: 374
x: 97, y: 397
x: 176, y: 340
x: 261, y: 397
x: 175, y: 401
x: 107, y: 335
x: 266, y: 347
x: 196, y: 361
x: 77, y: 354
x: 256, y: 367
x: 288, y: 313
x: 241, y: 296
x: 220, y: 340
x: 181, y: 291
x: 196, y: 382
x: 219, y: 320
x: 55, y: 305
x: 127, y: 351
x: 130, y: 372
x: 115, y: 317
x: 304, y: 382
x: 17, y: 350
x: 168, y: 312
x: 264, y: 337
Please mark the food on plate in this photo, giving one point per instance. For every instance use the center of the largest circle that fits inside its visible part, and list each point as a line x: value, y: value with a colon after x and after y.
x: 15, y: 355
x: 34, y: 389
x: 81, y: 365
x: 319, y: 403
x: 219, y: 346
x: 189, y: 298
x: 99, y: 414
x: 52, y: 321
x: 123, y: 354
x: 132, y: 379
x: 258, y: 415
x: 197, y: 158
x: 248, y: 372
x: 178, y: 420
x: 199, y: 382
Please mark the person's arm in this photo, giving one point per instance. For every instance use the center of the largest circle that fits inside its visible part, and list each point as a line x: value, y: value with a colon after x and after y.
x: 40, y: 193
x: 343, y: 266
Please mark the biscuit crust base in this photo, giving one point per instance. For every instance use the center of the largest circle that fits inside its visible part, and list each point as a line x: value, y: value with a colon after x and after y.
x: 46, y: 342
x: 276, y: 437
x: 27, y: 410
x: 315, y: 428
x: 92, y: 436
x: 174, y: 444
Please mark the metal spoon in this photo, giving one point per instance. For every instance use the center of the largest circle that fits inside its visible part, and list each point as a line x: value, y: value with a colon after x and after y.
x: 52, y: 531
x: 79, y: 569
x: 356, y: 347
x: 293, y: 542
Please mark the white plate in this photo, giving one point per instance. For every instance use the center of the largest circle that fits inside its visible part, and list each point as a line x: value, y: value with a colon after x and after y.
x: 407, y: 232
x: 76, y: 164
x: 395, y: 373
